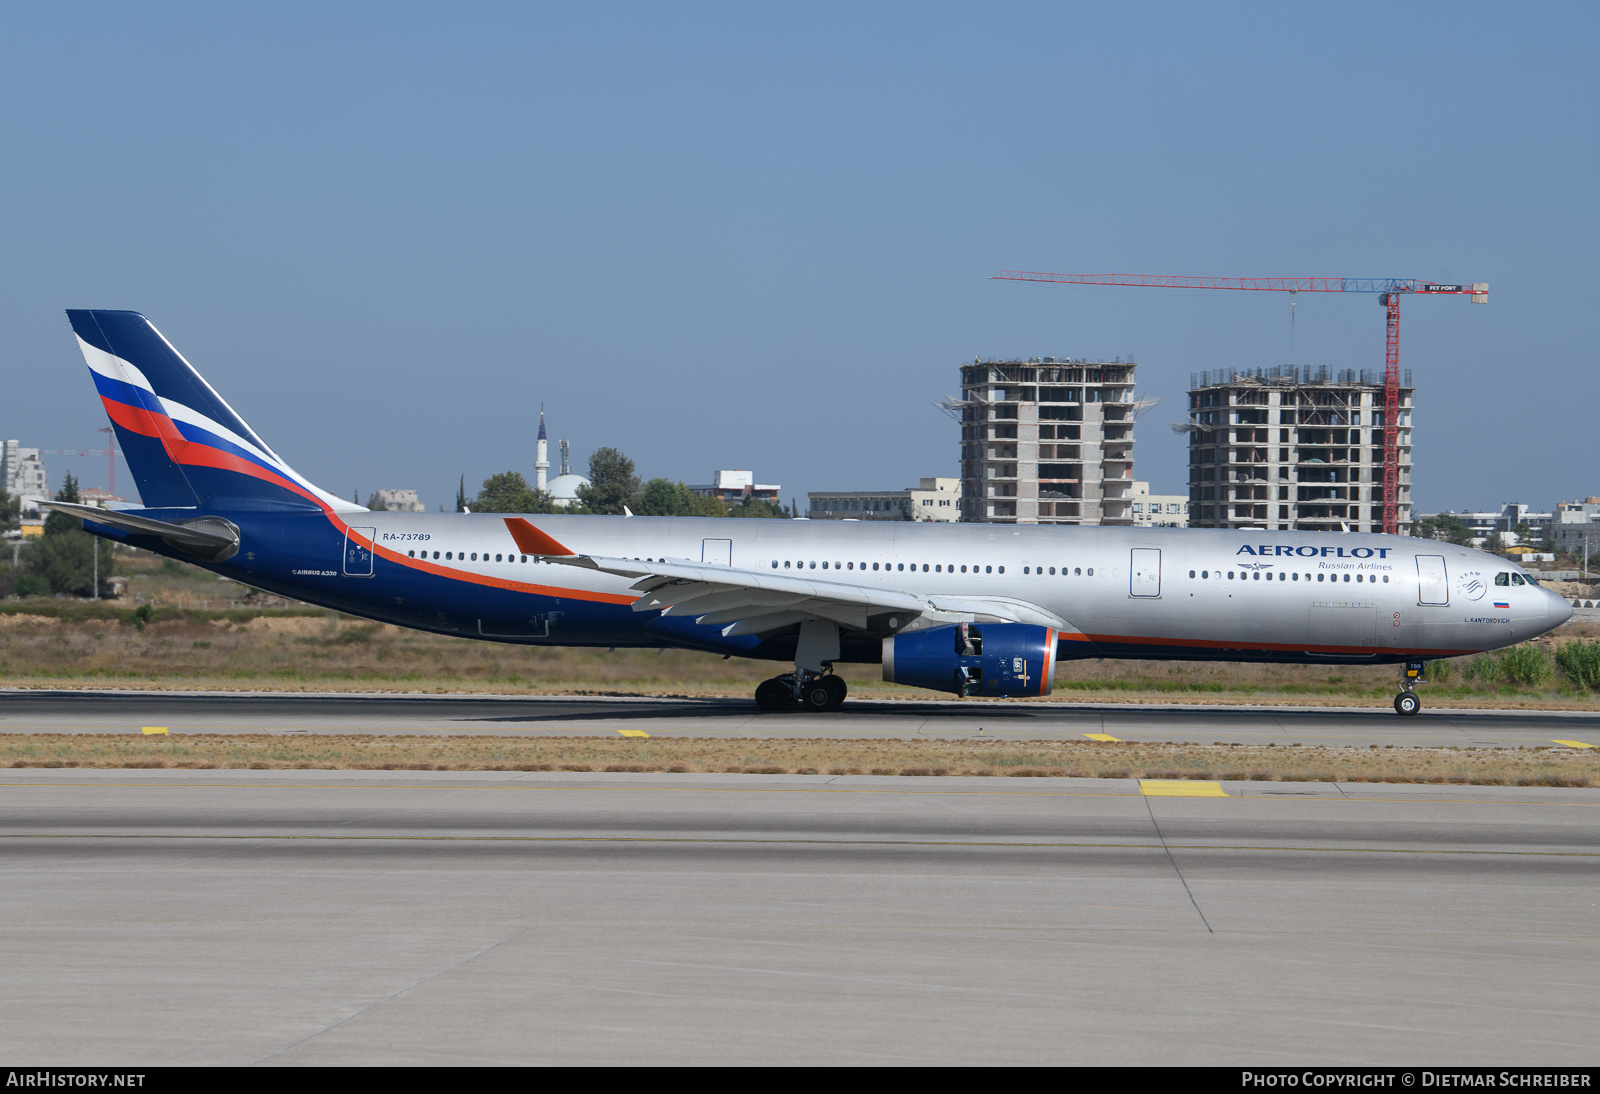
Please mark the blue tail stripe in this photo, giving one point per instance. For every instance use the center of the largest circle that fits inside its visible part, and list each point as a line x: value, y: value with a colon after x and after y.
x: 124, y: 392
x: 199, y: 435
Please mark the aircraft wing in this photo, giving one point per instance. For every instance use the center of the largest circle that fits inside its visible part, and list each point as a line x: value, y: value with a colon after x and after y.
x: 757, y: 602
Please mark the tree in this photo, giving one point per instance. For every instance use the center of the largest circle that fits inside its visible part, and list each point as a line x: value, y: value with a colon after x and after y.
x: 706, y: 505
x: 664, y: 498
x: 1446, y: 527
x: 509, y: 492
x: 10, y: 511
x: 1494, y: 544
x: 65, y: 556
x: 755, y: 507
x: 461, y: 496
x: 612, y: 483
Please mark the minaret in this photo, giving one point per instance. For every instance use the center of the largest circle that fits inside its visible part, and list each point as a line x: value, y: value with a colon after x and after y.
x: 541, y: 459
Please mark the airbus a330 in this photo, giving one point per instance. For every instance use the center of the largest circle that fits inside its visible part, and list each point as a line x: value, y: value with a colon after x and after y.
x: 966, y: 609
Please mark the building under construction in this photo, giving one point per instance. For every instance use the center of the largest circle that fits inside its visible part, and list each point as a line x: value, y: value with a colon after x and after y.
x: 1047, y: 441
x: 1298, y: 447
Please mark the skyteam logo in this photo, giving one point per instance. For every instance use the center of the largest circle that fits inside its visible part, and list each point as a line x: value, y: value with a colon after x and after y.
x: 1278, y: 550
x: 1471, y: 585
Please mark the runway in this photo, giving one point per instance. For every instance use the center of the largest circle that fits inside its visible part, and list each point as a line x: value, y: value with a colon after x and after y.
x: 187, y: 712
x: 238, y: 917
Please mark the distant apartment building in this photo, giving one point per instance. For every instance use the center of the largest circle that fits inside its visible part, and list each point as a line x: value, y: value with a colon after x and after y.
x: 1047, y: 441
x: 734, y: 487
x: 396, y: 501
x: 933, y: 499
x: 100, y: 497
x: 1158, y: 510
x: 1576, y: 527
x: 1294, y: 448
x: 1502, y: 522
x: 22, y: 471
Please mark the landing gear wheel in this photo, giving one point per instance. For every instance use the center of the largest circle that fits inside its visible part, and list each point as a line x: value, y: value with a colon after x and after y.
x: 837, y: 689
x: 773, y: 695
x: 1407, y: 703
x: 817, y: 696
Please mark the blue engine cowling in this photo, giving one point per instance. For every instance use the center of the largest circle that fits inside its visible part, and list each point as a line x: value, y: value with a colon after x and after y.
x: 974, y: 659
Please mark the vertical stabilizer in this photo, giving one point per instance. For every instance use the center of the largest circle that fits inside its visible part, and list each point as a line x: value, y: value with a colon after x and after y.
x: 185, y: 445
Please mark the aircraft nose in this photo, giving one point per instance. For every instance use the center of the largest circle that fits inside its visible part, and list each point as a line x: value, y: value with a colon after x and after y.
x: 1558, y: 611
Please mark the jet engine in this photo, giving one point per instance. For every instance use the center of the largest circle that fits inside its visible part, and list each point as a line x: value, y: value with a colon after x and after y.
x: 974, y: 659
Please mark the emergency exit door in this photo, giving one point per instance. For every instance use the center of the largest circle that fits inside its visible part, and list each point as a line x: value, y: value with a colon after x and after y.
x: 717, y: 552
x: 1144, y: 572
x: 358, y: 551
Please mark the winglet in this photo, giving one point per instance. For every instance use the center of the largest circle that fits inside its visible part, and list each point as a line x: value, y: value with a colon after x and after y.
x: 534, y: 542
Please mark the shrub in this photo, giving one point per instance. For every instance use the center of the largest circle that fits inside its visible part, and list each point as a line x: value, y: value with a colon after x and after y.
x: 1438, y: 672
x: 31, y: 585
x: 1526, y: 666
x: 1484, y: 668
x: 1580, y: 661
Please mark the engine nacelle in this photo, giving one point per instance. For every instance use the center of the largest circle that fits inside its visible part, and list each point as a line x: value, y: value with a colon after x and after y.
x: 974, y: 659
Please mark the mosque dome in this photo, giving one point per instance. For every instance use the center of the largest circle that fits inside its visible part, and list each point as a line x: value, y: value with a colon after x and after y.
x: 564, y: 489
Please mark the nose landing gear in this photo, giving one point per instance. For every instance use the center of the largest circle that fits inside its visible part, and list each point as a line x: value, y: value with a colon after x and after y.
x: 1407, y: 702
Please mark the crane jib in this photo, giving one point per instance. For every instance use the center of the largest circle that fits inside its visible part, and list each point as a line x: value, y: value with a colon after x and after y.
x: 1389, y: 290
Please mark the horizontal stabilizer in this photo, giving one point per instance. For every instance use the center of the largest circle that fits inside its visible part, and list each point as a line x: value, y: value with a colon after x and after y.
x: 210, y: 538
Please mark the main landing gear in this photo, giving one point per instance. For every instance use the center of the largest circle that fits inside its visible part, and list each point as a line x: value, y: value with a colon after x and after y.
x: 809, y: 686
x: 1407, y: 702
x: 816, y: 693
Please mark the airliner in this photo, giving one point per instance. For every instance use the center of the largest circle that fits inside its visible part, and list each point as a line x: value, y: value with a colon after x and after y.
x: 966, y: 609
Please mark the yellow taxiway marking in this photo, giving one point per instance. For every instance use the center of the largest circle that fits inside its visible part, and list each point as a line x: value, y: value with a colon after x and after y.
x: 1180, y: 788
x: 1572, y: 744
x: 1101, y: 737
x: 633, y: 733
x: 147, y: 730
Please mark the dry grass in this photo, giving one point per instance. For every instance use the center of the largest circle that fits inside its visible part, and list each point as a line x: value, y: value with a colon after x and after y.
x: 51, y: 644
x: 762, y: 756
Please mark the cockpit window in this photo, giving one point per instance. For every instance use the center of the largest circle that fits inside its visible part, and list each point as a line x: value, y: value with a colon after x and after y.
x: 1530, y: 579
x: 1502, y: 578
x: 1516, y: 579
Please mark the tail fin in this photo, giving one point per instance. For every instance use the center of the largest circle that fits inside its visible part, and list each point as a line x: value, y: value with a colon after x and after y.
x: 183, y: 442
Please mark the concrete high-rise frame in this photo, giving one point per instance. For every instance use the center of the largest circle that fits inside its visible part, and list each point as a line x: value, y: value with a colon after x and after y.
x: 1296, y: 447
x: 1047, y: 441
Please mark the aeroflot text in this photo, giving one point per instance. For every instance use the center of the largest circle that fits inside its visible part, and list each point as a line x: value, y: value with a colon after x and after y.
x: 1272, y: 550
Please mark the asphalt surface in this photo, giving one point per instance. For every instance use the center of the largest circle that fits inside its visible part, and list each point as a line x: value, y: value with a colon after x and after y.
x: 116, y: 712
x: 234, y: 917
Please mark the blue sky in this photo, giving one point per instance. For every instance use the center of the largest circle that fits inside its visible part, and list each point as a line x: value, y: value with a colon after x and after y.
x: 759, y: 236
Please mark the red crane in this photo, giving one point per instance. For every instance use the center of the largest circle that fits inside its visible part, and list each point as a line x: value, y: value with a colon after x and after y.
x: 1389, y: 290
x: 109, y: 453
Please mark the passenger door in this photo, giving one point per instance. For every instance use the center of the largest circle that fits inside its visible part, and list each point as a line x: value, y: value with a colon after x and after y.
x: 716, y: 552
x: 1433, y: 580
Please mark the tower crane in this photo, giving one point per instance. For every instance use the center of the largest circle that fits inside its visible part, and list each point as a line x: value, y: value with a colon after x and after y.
x: 1389, y: 290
